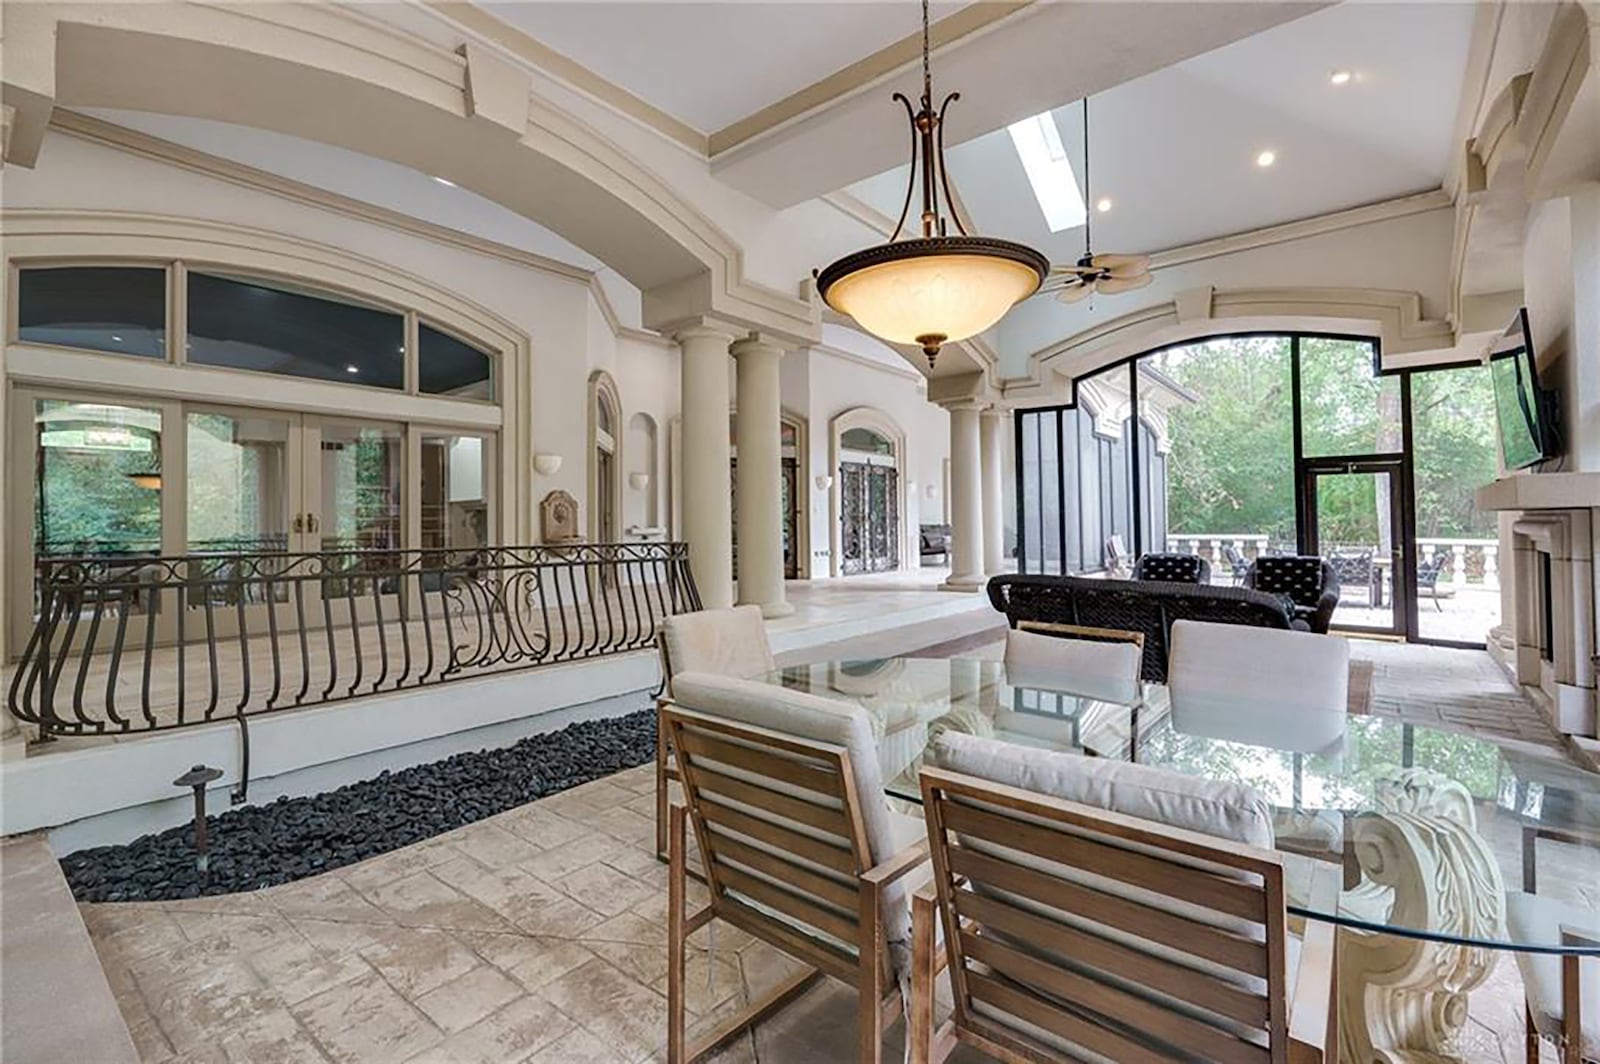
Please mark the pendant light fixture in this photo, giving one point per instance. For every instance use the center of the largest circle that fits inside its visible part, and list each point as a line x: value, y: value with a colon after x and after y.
x: 934, y: 288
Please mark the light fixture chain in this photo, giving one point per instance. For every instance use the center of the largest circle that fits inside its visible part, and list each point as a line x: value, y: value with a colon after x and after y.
x: 927, y: 69
x: 1088, y: 193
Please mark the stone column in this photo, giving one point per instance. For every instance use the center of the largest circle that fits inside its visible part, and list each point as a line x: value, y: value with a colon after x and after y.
x: 758, y: 434
x: 991, y: 452
x: 707, y: 516
x: 966, y: 502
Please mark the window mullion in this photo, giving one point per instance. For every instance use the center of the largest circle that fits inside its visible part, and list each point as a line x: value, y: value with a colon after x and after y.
x: 178, y: 314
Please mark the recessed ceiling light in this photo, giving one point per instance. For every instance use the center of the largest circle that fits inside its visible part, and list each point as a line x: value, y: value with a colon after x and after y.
x: 1266, y: 159
x: 445, y: 181
x: 1038, y: 144
x: 116, y: 339
x: 1340, y: 77
x: 1102, y: 205
x: 352, y: 369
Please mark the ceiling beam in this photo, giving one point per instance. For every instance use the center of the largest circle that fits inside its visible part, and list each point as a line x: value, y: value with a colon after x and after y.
x: 1034, y: 59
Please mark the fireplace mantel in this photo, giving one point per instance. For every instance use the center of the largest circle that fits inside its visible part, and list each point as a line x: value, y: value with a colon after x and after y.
x: 1541, y: 491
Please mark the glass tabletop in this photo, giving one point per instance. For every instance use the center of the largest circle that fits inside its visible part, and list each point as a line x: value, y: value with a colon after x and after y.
x: 1512, y: 828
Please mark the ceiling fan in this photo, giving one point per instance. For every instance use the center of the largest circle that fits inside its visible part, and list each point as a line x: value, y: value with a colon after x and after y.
x: 1107, y: 274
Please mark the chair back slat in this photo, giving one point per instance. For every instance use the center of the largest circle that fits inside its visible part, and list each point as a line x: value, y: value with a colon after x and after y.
x: 1126, y: 864
x: 1209, y: 943
x: 1072, y: 928
x: 781, y: 838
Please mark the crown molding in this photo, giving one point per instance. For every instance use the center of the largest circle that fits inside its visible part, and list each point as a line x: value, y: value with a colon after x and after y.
x: 120, y: 138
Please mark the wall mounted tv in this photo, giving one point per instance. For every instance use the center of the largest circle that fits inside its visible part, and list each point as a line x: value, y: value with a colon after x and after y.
x: 1523, y: 410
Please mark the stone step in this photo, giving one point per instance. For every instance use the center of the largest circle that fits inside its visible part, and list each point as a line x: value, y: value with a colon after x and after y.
x: 53, y: 992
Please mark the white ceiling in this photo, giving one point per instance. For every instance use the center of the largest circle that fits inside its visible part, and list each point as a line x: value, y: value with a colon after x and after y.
x: 710, y: 64
x: 1175, y: 150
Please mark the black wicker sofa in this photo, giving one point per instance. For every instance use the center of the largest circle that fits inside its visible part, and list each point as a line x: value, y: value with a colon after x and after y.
x: 1135, y: 606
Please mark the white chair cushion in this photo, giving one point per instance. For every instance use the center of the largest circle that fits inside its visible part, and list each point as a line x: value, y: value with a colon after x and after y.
x: 725, y: 642
x: 1092, y: 669
x: 1531, y: 918
x: 1284, y: 689
x: 1212, y: 807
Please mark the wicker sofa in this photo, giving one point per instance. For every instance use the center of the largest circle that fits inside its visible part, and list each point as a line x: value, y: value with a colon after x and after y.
x: 1135, y: 606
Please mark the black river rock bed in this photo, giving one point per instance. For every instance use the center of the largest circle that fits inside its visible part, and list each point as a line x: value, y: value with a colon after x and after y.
x: 292, y: 838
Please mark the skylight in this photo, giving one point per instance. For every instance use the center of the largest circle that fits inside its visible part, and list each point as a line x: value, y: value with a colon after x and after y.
x: 1038, y: 144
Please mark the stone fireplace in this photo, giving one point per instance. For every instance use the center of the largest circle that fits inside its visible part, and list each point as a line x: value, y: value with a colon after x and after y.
x: 1553, y: 559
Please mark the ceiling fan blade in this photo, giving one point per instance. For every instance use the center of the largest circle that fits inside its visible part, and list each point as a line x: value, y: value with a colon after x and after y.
x: 1112, y: 285
x: 1122, y: 265
x: 1075, y: 292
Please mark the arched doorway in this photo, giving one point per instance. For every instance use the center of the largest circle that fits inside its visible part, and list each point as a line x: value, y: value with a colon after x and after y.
x: 605, y: 458
x: 868, y: 451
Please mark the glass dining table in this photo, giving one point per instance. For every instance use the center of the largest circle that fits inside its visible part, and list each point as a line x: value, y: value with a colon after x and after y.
x: 1430, y: 826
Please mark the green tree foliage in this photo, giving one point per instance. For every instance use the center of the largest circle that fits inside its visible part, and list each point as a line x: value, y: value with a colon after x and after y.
x: 1231, y: 468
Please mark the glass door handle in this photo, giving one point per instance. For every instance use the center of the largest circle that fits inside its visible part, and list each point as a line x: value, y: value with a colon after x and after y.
x: 299, y: 523
x: 312, y: 524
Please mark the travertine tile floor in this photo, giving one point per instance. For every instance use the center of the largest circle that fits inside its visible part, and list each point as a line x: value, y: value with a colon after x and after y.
x: 539, y: 936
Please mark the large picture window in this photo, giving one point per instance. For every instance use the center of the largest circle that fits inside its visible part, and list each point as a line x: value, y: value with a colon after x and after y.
x: 1237, y: 447
x: 245, y: 322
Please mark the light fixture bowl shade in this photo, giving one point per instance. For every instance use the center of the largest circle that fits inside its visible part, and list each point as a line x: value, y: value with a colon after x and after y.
x: 950, y: 287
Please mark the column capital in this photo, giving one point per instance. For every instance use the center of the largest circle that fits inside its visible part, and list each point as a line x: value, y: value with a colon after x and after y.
x: 954, y: 405
x: 757, y: 344
x: 704, y: 329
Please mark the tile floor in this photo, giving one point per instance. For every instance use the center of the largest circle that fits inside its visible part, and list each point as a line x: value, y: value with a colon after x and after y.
x: 539, y: 936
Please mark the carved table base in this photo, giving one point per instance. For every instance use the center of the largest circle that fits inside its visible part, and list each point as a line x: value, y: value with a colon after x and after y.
x: 1424, y: 866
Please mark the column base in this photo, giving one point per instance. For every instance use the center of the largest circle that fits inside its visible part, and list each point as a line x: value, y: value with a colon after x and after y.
x: 770, y: 610
x: 964, y: 583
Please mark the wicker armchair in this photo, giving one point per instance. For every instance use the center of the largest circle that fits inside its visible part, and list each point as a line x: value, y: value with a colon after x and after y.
x: 1309, y: 583
x: 1134, y: 606
x: 1173, y: 568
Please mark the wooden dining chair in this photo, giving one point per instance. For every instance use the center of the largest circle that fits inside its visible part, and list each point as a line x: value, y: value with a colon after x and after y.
x: 731, y: 642
x: 798, y: 847
x: 1071, y: 930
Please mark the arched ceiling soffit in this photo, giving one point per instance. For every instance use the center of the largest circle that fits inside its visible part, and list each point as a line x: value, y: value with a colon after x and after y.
x: 329, y: 75
x: 1392, y: 317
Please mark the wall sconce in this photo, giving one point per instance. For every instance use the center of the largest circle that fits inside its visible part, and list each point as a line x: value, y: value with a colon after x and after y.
x: 546, y: 465
x: 639, y: 481
x: 823, y: 481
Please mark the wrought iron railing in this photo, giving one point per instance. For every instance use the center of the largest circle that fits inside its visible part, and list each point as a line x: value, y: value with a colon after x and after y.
x: 139, y: 644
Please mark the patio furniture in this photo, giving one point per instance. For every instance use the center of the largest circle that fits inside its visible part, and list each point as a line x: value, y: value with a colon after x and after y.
x: 1424, y: 922
x: 1428, y: 571
x: 1094, y: 662
x: 1173, y: 568
x: 799, y: 847
x: 1307, y: 581
x: 935, y: 541
x: 1071, y: 894
x: 1237, y: 563
x: 1354, y: 569
x: 1562, y: 992
x: 731, y: 642
x: 1116, y: 556
x: 1142, y: 606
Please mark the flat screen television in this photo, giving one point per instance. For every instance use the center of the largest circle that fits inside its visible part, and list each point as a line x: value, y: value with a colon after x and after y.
x: 1522, y: 409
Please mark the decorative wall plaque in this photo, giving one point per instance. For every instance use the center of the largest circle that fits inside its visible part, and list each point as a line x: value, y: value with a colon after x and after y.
x: 558, y: 518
